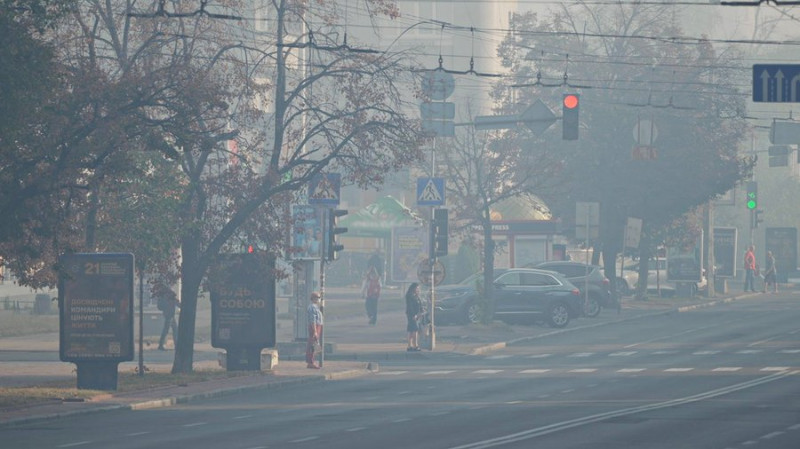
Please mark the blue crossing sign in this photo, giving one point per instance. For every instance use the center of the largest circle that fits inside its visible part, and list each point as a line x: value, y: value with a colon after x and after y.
x: 430, y: 191
x: 776, y: 83
x: 324, y: 188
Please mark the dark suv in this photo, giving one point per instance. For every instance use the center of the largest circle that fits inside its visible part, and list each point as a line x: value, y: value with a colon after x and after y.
x: 521, y: 294
x: 587, y: 278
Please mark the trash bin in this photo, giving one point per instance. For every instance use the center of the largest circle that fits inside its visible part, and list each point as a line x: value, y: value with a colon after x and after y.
x: 41, y: 305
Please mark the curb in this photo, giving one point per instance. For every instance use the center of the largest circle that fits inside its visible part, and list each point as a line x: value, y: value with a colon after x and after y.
x: 187, y: 398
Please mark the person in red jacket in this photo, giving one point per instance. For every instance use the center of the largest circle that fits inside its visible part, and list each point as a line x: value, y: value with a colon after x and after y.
x: 750, y: 269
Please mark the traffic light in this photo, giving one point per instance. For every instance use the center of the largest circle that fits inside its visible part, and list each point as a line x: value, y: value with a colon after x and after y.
x: 571, y: 106
x: 333, y: 246
x: 439, y: 232
x: 751, y: 200
x: 757, y: 217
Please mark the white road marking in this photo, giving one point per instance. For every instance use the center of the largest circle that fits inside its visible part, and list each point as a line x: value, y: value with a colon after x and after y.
x: 356, y: 429
x: 303, y: 440
x: 243, y: 417
x: 623, y: 354
x: 582, y: 370
x: 497, y: 357
x: 401, y: 420
x: 678, y: 370
x: 771, y: 435
x: 749, y: 351
x: 195, y: 424
x: 539, y: 356
x: 136, y: 434
x: 582, y: 354
x: 440, y: 372
x: 487, y: 371
x: 728, y: 369
x: 631, y: 370
x: 534, y: 371
x: 665, y: 352
x: 794, y: 427
x: 790, y: 351
x: 79, y: 443
x: 775, y: 368
x: 705, y: 352
x: 391, y: 373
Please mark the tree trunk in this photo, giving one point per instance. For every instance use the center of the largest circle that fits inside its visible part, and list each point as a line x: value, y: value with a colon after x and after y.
x: 191, y: 277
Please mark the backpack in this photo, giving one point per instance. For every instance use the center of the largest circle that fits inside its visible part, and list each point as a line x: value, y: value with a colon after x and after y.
x: 374, y: 288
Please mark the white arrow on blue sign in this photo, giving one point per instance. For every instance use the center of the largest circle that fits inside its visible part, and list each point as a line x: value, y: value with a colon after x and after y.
x: 776, y: 83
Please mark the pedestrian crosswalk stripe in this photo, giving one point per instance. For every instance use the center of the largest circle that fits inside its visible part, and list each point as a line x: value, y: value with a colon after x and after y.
x: 631, y: 370
x: 487, y: 371
x: 678, y: 370
x: 434, y: 373
x: 776, y: 368
x: 583, y: 370
x: 539, y: 356
x: 582, y: 354
x: 727, y: 368
x: 622, y: 354
x: 791, y: 351
x: 534, y: 371
x: 749, y: 351
x: 705, y: 352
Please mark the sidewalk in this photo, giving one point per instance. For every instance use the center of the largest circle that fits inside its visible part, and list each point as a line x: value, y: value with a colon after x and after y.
x: 355, y: 349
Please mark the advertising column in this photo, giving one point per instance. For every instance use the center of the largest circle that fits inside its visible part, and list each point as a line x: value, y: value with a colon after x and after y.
x: 95, y: 294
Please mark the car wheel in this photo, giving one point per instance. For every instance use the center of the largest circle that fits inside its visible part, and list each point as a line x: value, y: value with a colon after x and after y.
x: 558, y: 315
x: 591, y: 307
x: 472, y: 313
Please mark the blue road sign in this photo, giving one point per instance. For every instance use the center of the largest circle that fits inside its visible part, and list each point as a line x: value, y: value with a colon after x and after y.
x: 430, y: 191
x: 324, y: 189
x: 776, y: 83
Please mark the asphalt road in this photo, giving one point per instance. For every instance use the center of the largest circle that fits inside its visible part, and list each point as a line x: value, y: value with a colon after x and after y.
x: 720, y: 377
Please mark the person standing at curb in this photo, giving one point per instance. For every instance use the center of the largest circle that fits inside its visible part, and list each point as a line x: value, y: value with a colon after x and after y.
x: 167, y: 304
x: 314, y: 318
x: 770, y: 274
x: 750, y: 269
x: 413, y: 312
x: 371, y: 292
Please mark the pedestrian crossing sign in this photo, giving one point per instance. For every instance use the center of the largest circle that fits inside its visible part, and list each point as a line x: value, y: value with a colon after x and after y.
x: 430, y: 191
x: 324, y: 189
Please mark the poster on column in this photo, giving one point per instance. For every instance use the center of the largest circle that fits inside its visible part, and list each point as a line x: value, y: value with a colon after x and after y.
x: 95, y: 293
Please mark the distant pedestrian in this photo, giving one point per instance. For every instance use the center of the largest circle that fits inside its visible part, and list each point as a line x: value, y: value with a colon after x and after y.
x: 376, y: 261
x: 770, y: 274
x: 314, y: 318
x: 371, y: 292
x: 750, y: 269
x: 167, y: 304
x: 413, y: 314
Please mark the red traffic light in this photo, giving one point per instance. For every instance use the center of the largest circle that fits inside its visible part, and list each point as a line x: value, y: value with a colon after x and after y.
x: 251, y: 249
x: 570, y: 101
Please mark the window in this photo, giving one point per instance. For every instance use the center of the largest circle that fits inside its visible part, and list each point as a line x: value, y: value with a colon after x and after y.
x: 509, y: 279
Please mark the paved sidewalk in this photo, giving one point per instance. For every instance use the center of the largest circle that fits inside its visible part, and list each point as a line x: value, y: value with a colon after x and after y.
x: 357, y: 349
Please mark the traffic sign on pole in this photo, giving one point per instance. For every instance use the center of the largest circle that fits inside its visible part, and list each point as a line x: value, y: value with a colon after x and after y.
x: 537, y: 117
x: 784, y: 133
x: 776, y: 83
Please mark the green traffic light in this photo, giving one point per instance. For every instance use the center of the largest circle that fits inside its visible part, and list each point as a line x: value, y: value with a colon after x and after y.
x: 752, y: 204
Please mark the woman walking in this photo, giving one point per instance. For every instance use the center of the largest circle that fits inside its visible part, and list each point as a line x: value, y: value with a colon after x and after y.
x: 413, y: 312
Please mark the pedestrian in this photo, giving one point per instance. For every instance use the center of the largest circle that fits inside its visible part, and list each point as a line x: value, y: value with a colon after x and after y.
x: 770, y: 274
x: 314, y: 318
x: 750, y: 269
x: 413, y: 314
x: 167, y: 304
x: 371, y: 292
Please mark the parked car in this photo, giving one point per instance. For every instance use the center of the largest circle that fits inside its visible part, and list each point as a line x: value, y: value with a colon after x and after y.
x: 588, y: 279
x: 521, y: 294
x: 656, y: 279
